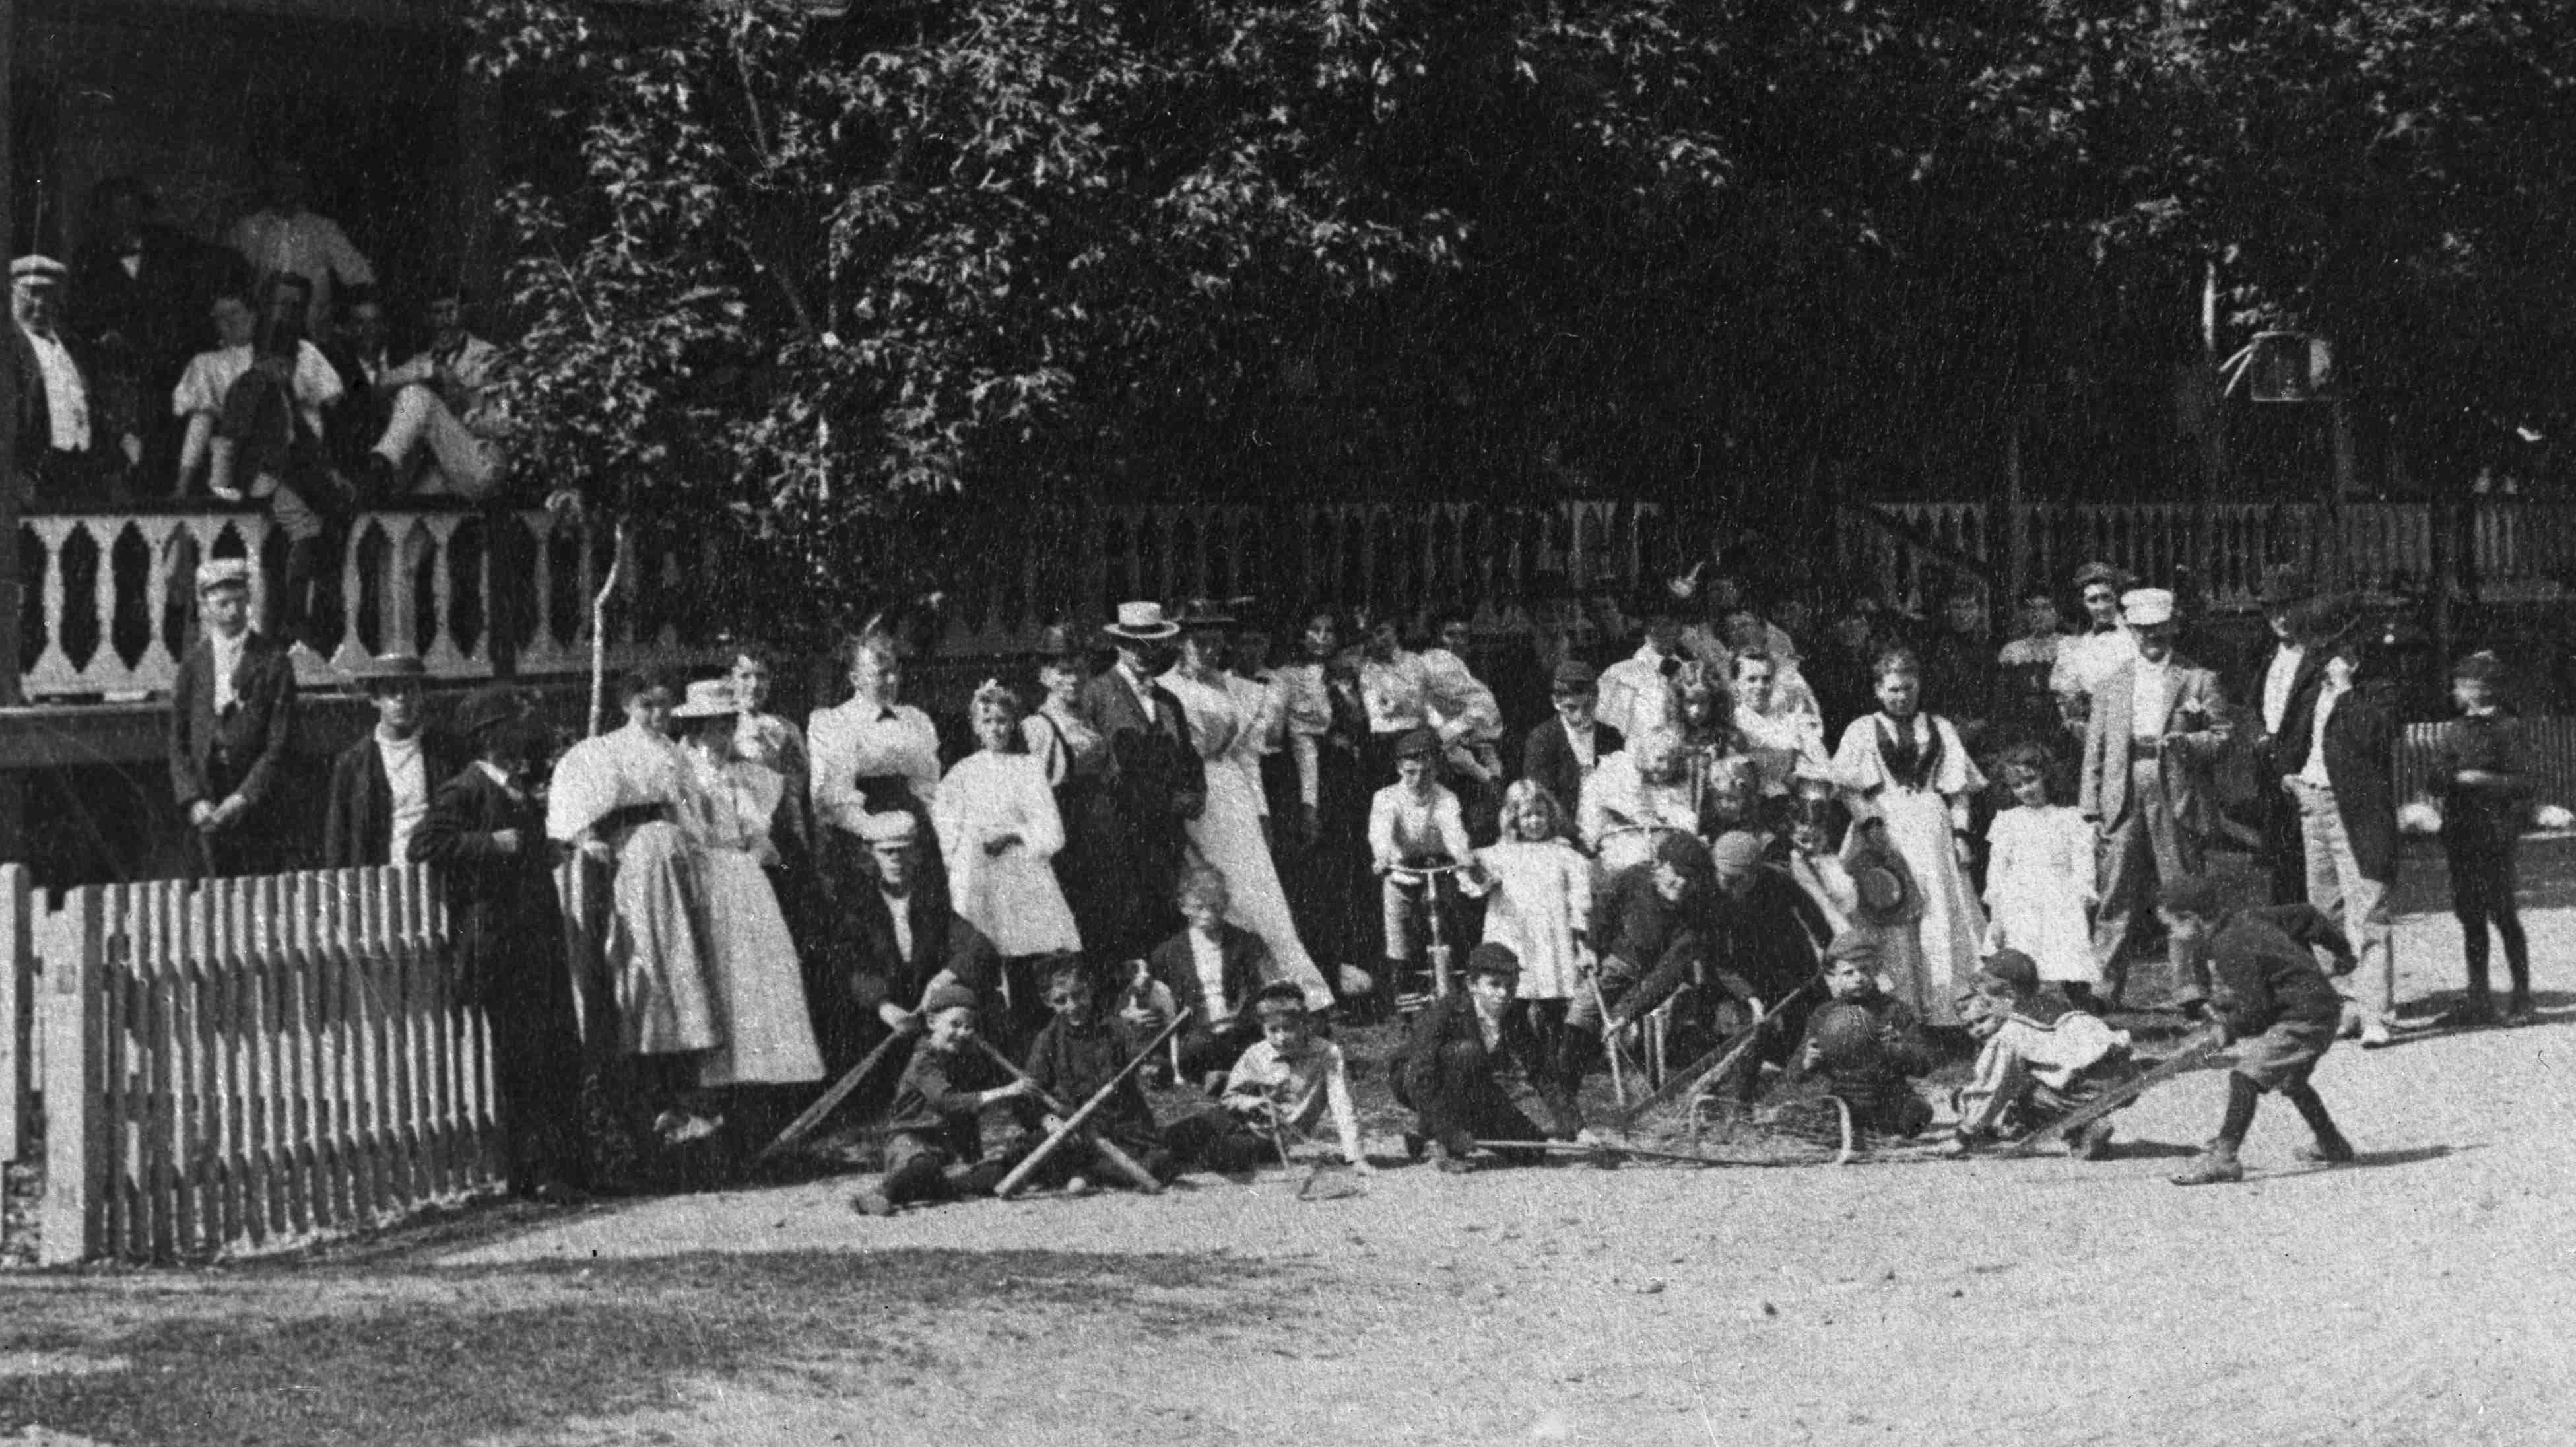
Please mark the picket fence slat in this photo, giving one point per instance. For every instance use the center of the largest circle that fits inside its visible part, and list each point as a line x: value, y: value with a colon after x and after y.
x: 243, y: 1064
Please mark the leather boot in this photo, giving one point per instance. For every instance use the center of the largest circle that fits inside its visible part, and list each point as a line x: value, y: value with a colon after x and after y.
x: 2330, y: 1149
x: 2216, y: 1166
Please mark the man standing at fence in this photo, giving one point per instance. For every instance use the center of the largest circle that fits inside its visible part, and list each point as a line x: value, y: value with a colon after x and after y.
x: 381, y: 785
x: 2286, y: 690
x: 232, y: 712
x: 2151, y: 748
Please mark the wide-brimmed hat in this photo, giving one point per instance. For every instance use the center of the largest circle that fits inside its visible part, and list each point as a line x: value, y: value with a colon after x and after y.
x: 1056, y: 641
x: 1573, y: 675
x: 1883, y: 888
x: 1141, y: 623
x: 487, y: 708
x: 1206, y: 615
x: 2285, y: 584
x: 2327, y: 621
x: 388, y: 668
x: 708, y: 698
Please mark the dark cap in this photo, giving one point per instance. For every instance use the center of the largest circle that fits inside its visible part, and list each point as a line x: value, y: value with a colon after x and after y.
x: 2328, y: 621
x: 2013, y: 968
x: 487, y: 707
x: 1576, y: 676
x: 2285, y: 584
x: 2483, y: 666
x: 1418, y: 744
x: 1490, y: 958
x: 947, y: 995
x: 1680, y: 850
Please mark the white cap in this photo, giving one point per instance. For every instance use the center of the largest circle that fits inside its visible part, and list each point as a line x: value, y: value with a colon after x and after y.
x: 2146, y: 607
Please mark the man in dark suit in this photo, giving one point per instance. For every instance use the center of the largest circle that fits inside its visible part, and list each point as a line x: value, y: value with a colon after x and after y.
x: 2283, y: 696
x: 485, y: 834
x: 1152, y: 785
x: 2151, y: 747
x: 1222, y: 1023
x: 232, y: 712
x: 902, y: 936
x: 381, y: 785
x: 1449, y: 1074
x: 1562, y: 752
x: 358, y: 351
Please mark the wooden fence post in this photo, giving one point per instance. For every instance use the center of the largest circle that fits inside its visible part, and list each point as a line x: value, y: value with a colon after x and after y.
x: 76, y: 1124
x: 17, y: 1011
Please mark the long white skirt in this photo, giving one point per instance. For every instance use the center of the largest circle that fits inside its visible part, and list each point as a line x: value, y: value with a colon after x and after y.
x: 1227, y: 835
x: 769, y: 1036
x: 1953, y: 923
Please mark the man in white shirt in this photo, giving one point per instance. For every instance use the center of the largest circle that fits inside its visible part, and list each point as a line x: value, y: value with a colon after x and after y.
x: 2084, y: 661
x: 2151, y: 747
x: 441, y: 399
x: 56, y: 460
x: 2287, y: 689
x: 282, y: 237
x: 1637, y: 691
x: 381, y: 785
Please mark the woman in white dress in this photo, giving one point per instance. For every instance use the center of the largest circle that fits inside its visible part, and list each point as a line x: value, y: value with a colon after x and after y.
x: 769, y: 1034
x: 1908, y: 771
x: 1226, y: 835
x: 998, y: 830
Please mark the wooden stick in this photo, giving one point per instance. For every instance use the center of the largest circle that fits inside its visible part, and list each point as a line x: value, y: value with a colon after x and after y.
x: 1610, y: 1148
x: 1063, y: 1132
x: 1609, y: 1039
x: 804, y: 1125
x: 1714, y: 1061
x: 2195, y: 1052
x: 1109, y: 1149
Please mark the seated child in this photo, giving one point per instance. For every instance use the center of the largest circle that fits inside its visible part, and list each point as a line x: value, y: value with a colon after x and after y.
x: 2267, y: 993
x: 1451, y: 1073
x: 935, y: 1139
x: 2040, y: 1062
x: 1864, y: 1044
x: 1414, y: 823
x: 1073, y: 1057
x: 1277, y: 1095
x: 1208, y: 974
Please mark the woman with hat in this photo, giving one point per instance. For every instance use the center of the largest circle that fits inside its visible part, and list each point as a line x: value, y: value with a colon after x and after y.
x: 2346, y: 792
x: 998, y: 830
x: 1908, y: 779
x: 760, y: 988
x: 1324, y: 865
x: 1226, y: 832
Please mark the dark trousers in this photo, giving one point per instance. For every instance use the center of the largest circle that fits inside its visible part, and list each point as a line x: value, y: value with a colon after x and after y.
x: 2285, y: 850
x: 2483, y: 884
x: 1221, y: 1142
x: 536, y: 1075
x: 1213, y: 1052
x: 920, y: 1169
x: 2147, y: 846
x: 1459, y: 1102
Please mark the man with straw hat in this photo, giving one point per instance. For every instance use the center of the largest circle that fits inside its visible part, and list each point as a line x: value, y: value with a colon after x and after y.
x: 1153, y: 783
x: 381, y: 785
x: 232, y: 713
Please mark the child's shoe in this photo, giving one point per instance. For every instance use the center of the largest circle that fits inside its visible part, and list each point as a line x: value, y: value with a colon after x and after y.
x: 2374, y: 1035
x: 2216, y: 1166
x: 2519, y: 1011
x: 872, y: 1202
x: 2329, y: 1150
x: 1445, y: 1163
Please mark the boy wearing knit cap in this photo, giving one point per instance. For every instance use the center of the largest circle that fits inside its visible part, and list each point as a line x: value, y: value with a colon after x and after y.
x: 935, y: 1142
x: 2041, y: 1061
x: 2266, y: 994
x: 1864, y: 1044
x: 1452, y: 1071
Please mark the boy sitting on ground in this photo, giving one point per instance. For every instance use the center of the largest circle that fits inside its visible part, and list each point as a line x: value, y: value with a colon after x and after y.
x: 935, y: 1142
x: 1073, y: 1057
x: 2041, y: 1061
x: 1208, y: 973
x: 1277, y: 1095
x: 1864, y: 1045
x: 1452, y: 1071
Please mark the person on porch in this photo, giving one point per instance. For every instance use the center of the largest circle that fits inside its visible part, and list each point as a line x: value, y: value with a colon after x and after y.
x: 61, y: 457
x: 442, y: 400
x: 286, y: 238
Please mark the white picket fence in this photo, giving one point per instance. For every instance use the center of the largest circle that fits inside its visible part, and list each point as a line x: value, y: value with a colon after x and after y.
x: 240, y: 1064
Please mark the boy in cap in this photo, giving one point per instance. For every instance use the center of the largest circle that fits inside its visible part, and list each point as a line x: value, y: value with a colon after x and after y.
x: 2041, y: 1061
x: 381, y: 785
x: 1415, y: 824
x: 1279, y: 1092
x: 2269, y: 997
x: 485, y: 834
x: 1452, y: 1072
x: 1074, y: 1055
x: 1562, y: 752
x: 232, y: 714
x: 1864, y: 1044
x: 2485, y: 796
x: 935, y: 1143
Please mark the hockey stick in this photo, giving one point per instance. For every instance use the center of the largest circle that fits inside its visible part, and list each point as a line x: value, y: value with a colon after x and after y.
x: 2195, y: 1053
x: 804, y: 1125
x: 1109, y: 1149
x: 1070, y: 1124
x: 1677, y: 1085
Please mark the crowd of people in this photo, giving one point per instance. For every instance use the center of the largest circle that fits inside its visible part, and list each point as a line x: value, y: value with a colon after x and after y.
x: 257, y: 372
x: 1173, y: 833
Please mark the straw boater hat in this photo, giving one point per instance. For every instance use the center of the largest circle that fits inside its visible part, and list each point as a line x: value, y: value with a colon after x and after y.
x: 37, y: 271
x: 1141, y: 623
x: 894, y: 826
x: 223, y: 573
x: 708, y: 698
x: 389, y: 668
x: 1883, y: 888
x: 2146, y: 607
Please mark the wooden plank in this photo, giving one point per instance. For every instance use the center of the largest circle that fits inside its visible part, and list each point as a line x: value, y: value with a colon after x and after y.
x: 17, y: 1010
x: 368, y: 1176
x: 224, y: 1064
x: 263, y: 1046
x: 72, y: 1221
x: 129, y: 1220
x: 165, y: 1112
x: 431, y: 1115
x: 308, y: 1191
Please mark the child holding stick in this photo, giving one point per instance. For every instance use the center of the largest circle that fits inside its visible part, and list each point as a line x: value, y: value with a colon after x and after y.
x: 935, y: 1144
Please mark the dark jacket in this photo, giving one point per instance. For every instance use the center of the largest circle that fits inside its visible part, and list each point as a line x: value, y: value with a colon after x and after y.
x: 1769, y: 938
x: 938, y: 1099
x: 241, y: 751
x: 2287, y: 751
x: 941, y: 941
x: 2361, y: 762
x: 2482, y: 816
x: 502, y: 908
x: 358, y: 826
x: 1245, y: 961
x: 2263, y: 970
x: 1897, y: 1050
x: 1072, y: 1065
x: 1450, y: 1028
x: 1548, y: 758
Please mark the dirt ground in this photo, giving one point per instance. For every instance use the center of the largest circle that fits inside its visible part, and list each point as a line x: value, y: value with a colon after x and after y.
x: 2423, y: 1295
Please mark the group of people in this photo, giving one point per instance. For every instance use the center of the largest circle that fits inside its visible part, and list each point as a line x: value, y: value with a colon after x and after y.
x: 1234, y: 850
x: 259, y: 371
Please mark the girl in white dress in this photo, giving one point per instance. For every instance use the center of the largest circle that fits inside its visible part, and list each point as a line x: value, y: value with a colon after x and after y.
x: 998, y: 830
x: 1539, y: 903
x: 1908, y: 771
x: 769, y: 1036
x: 1226, y: 835
x: 2040, y: 879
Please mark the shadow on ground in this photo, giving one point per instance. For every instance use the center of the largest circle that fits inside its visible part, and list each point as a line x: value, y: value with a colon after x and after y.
x: 428, y: 1356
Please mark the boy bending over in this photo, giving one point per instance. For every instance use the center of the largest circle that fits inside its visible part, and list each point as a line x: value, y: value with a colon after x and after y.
x: 935, y: 1149
x: 2266, y: 992
x: 1279, y: 1092
x: 2041, y: 1062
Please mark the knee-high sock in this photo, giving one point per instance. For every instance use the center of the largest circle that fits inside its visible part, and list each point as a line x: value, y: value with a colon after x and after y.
x: 2242, y: 1097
